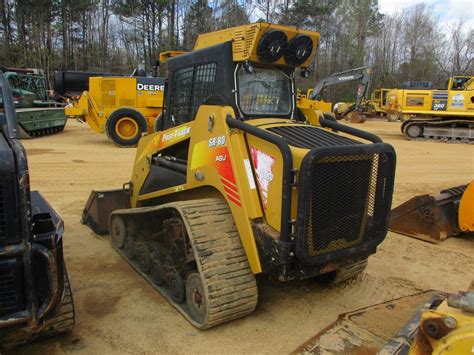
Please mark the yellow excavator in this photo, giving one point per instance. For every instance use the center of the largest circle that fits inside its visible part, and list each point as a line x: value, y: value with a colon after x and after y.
x: 234, y: 185
x: 353, y: 111
x: 446, y: 115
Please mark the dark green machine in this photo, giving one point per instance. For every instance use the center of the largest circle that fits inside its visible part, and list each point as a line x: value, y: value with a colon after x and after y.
x: 37, y: 115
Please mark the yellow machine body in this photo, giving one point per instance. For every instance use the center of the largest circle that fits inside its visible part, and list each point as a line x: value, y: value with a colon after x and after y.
x: 466, y: 209
x: 456, y: 331
x: 456, y: 101
x: 376, y: 105
x: 108, y: 94
x: 246, y: 186
x: 246, y: 38
x: 313, y: 109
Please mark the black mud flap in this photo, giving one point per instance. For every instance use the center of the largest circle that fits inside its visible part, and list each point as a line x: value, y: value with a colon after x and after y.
x: 101, y: 204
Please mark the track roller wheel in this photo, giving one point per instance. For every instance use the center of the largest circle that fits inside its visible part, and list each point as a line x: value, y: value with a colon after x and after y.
x: 393, y: 116
x: 118, y: 232
x: 196, y: 298
x: 413, y: 131
x: 130, y: 248
x: 144, y: 258
x: 158, y: 273
x: 176, y: 287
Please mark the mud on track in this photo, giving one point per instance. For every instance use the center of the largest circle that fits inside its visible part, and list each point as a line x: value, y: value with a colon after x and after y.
x: 118, y: 312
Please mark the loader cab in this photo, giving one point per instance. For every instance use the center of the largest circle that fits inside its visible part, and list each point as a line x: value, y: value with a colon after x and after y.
x: 211, y: 76
x: 458, y: 82
x: 254, y: 73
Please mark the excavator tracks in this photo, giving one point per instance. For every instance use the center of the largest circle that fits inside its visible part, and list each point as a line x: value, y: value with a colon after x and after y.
x: 453, y: 131
x: 218, y: 287
x: 61, y: 322
x: 41, y: 132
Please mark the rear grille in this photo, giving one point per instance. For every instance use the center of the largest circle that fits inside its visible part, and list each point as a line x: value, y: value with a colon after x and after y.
x: 344, y: 201
x: 310, y: 137
x: 3, y: 221
x: 11, y: 289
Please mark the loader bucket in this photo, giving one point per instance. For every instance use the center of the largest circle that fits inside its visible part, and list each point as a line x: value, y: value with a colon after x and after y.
x: 385, y: 328
x: 431, y: 218
x: 100, y: 205
x: 356, y: 117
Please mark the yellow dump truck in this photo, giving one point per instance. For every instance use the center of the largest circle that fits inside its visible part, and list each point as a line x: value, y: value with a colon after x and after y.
x: 436, y: 114
x: 125, y: 108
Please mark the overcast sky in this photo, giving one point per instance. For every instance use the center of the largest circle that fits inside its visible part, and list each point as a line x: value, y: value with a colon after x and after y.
x: 448, y: 10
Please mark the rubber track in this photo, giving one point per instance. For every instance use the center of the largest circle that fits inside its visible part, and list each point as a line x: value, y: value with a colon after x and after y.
x: 438, y: 123
x: 349, y: 272
x: 61, y: 323
x: 228, y: 282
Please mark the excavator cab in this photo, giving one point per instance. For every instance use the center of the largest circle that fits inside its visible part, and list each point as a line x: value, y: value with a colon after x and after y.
x: 233, y: 184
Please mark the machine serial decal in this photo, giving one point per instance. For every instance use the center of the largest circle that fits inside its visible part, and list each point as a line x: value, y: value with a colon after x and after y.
x: 216, y: 141
x: 263, y: 164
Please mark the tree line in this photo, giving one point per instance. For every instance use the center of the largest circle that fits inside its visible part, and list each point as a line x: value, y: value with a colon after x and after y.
x: 117, y: 35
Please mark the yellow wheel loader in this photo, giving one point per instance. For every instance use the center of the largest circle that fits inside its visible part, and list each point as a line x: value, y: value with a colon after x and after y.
x: 425, y: 323
x: 125, y: 108
x: 233, y: 186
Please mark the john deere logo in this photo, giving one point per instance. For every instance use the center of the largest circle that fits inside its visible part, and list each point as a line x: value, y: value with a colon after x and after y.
x: 150, y: 87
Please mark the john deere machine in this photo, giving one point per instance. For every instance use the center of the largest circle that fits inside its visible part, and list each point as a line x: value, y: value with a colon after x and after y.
x: 232, y: 185
x: 428, y: 114
x: 37, y: 114
x: 35, y: 295
x: 125, y: 108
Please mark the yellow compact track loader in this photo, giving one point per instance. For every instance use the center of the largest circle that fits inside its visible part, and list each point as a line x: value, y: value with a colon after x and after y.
x: 446, y: 115
x: 435, y: 218
x: 234, y: 186
x: 125, y: 108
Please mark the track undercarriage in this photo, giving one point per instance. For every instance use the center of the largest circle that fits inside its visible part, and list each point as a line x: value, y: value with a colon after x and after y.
x: 439, y: 129
x: 191, y: 253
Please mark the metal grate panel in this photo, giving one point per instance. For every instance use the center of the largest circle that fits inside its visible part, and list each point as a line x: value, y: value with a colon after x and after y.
x: 344, y: 202
x: 11, y: 295
x: 310, y: 137
x: 3, y: 222
x: 192, y: 86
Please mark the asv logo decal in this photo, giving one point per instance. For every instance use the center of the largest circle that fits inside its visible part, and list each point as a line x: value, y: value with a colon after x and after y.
x: 175, y: 134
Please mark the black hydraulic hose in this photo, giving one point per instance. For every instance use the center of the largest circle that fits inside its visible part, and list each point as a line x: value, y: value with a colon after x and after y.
x: 180, y: 168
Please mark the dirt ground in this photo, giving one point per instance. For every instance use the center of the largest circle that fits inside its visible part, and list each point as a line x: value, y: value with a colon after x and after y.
x: 118, y: 312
